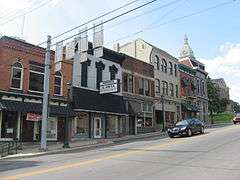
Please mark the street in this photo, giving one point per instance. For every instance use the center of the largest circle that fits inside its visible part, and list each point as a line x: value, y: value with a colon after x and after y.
x: 213, y: 155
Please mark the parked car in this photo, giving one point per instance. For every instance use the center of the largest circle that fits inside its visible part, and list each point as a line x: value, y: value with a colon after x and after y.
x: 236, y: 119
x: 186, y: 127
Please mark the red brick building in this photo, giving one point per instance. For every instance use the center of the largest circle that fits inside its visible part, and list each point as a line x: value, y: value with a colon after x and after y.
x: 187, y: 92
x: 138, y: 90
x: 21, y: 89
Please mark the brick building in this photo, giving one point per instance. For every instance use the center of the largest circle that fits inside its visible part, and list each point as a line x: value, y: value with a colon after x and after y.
x: 138, y: 92
x: 21, y: 89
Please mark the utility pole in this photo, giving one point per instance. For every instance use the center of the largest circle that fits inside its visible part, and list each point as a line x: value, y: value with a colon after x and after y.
x: 45, y: 96
x: 163, y: 112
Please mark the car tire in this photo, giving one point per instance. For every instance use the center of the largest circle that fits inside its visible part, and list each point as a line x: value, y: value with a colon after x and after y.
x: 202, y: 130
x: 189, y: 132
x: 171, y: 136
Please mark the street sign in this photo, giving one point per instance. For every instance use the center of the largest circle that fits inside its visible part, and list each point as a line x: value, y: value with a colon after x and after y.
x: 110, y: 86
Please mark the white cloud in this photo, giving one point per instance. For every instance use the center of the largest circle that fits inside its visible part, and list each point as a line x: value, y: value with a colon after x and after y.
x: 227, y: 66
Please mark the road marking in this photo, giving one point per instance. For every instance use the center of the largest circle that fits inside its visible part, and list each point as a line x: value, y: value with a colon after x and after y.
x: 73, y: 165
x: 108, y: 157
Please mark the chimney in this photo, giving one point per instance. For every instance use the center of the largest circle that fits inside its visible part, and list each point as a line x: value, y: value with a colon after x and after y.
x: 116, y: 47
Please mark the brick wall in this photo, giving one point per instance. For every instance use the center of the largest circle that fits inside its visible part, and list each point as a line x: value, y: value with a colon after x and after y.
x: 12, y: 50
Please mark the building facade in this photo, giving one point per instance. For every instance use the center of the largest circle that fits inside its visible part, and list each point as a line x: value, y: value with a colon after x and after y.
x: 187, y: 58
x: 138, y: 92
x: 167, y: 103
x: 97, y: 115
x: 21, y: 90
x: 187, y: 92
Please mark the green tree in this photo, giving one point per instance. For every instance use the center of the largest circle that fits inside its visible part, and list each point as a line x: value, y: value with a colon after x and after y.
x: 214, y: 100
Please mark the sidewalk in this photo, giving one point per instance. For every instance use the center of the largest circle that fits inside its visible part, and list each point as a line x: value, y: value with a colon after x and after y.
x: 32, y: 150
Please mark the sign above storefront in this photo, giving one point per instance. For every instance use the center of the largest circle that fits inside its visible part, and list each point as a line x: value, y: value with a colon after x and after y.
x: 110, y: 86
x: 33, y: 117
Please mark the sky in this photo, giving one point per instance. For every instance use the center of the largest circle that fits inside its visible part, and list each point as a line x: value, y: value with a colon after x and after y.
x: 213, y: 32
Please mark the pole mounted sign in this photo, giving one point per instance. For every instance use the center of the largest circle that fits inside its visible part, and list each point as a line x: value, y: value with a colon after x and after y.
x: 110, y: 86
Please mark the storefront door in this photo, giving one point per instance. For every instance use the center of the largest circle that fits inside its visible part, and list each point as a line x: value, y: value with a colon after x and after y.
x: 97, y: 127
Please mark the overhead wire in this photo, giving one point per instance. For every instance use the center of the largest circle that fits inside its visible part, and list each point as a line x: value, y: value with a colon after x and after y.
x: 92, y: 20
x: 109, y: 20
x: 171, y: 21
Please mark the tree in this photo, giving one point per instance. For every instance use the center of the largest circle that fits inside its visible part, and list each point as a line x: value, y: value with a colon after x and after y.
x: 214, y: 100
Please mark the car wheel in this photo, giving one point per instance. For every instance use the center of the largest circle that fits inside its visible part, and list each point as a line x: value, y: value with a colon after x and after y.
x: 234, y: 122
x: 202, y: 130
x: 189, y: 132
x: 170, y: 135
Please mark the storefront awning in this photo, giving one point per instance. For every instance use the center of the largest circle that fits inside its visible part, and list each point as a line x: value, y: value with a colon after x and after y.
x: 84, y: 99
x: 134, y: 108
x: 28, y: 107
x: 189, y: 107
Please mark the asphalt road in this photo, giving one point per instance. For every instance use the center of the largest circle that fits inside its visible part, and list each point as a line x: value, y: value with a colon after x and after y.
x: 212, y: 156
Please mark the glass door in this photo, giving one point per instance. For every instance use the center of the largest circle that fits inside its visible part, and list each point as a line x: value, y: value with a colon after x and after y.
x: 97, y: 127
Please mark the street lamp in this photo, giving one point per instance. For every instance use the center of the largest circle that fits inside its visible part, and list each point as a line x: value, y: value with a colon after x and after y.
x: 163, y: 112
x: 66, y: 120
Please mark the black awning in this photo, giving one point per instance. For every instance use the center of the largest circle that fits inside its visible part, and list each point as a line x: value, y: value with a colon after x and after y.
x: 189, y: 107
x: 134, y: 108
x: 89, y: 100
x: 28, y: 107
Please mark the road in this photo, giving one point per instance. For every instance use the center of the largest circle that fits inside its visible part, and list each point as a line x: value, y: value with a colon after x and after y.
x: 214, y: 155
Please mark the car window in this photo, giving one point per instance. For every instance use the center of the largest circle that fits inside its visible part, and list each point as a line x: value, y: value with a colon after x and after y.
x: 238, y: 115
x: 182, y: 123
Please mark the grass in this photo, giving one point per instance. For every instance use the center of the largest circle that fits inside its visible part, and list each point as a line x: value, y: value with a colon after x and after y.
x: 222, y: 118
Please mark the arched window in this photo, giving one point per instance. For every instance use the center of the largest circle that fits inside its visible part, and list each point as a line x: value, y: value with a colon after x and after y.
x: 164, y: 66
x: 17, y: 74
x: 171, y: 68
x: 157, y: 62
x: 58, y: 81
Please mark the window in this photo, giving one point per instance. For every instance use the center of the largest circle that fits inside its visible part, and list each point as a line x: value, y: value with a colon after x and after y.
x: 157, y: 62
x: 164, y: 66
x: 36, y: 78
x: 130, y: 83
x: 125, y: 82
x: 100, y: 67
x: 141, y: 86
x: 203, y: 88
x: 58, y: 83
x: 176, y: 90
x: 171, y: 68
x: 146, y: 87
x: 175, y: 69
x: 17, y: 73
x: 165, y: 88
x: 113, y: 71
x: 171, y: 90
x: 198, y: 87
x: 84, y: 73
x: 157, y: 81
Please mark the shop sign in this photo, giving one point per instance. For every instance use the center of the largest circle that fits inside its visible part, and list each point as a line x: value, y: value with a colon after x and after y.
x: 110, y: 86
x: 33, y: 117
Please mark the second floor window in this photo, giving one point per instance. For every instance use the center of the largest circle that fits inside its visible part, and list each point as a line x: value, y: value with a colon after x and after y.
x: 157, y: 62
x: 128, y: 83
x: 176, y: 90
x: 58, y: 83
x: 175, y: 69
x: 17, y: 73
x: 171, y: 90
x: 141, y: 86
x: 146, y: 87
x: 36, y: 77
x: 165, y: 88
x: 100, y: 67
x: 157, y: 85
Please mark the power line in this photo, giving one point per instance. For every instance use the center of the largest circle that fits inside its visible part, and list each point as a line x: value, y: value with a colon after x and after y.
x: 92, y: 20
x: 147, y: 12
x: 28, y: 12
x: 171, y: 21
x: 111, y: 19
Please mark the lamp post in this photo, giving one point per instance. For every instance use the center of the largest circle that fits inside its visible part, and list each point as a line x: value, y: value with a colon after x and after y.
x: 163, y: 111
x: 66, y: 120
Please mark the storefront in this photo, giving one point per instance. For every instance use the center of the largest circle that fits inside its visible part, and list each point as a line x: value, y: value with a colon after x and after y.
x: 22, y: 121
x: 189, y: 110
x: 98, y: 116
